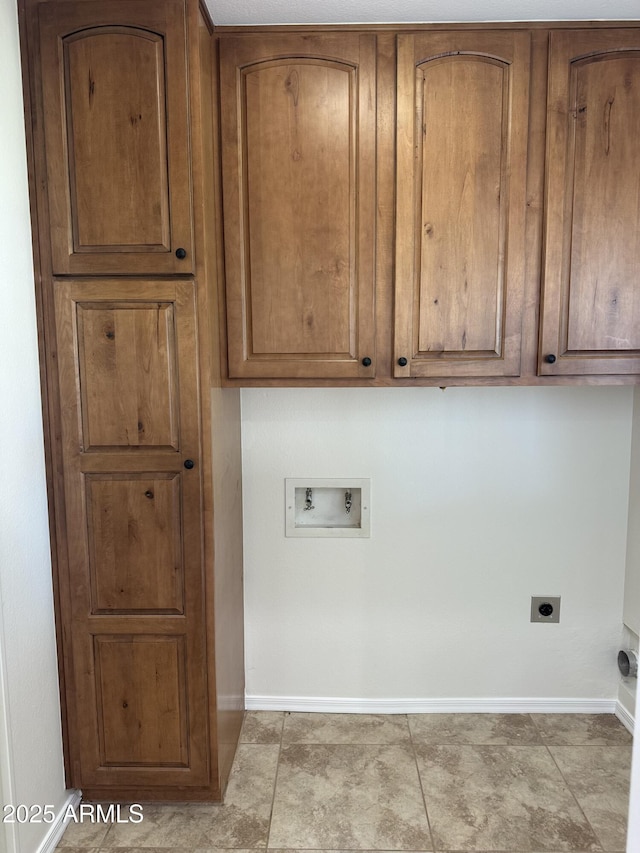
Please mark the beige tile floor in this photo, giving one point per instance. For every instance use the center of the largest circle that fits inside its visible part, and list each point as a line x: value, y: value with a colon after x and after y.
x: 515, y: 783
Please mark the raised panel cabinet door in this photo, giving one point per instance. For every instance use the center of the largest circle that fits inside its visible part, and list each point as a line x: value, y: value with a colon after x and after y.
x: 590, y: 322
x: 127, y: 366
x: 462, y: 126
x: 298, y: 154
x: 114, y: 86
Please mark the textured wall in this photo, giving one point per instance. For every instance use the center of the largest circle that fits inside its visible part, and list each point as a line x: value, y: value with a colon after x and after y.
x: 481, y: 497
x: 30, y: 750
x: 632, y: 585
x: 629, y: 686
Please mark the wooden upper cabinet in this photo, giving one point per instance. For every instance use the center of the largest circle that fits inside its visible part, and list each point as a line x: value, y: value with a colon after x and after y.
x: 117, y: 141
x: 298, y: 156
x: 591, y: 295
x: 463, y: 105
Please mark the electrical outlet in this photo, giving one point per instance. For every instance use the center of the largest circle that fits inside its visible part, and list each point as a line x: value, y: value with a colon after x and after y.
x: 545, y: 608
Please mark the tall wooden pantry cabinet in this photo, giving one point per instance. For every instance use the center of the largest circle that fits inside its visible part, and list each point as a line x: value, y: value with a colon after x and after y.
x: 145, y: 495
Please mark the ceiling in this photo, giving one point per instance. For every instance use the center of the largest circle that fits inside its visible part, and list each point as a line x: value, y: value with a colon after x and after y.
x: 247, y: 12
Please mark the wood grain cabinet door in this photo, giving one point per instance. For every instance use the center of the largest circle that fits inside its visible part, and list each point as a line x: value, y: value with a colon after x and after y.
x: 114, y: 85
x: 591, y: 288
x: 463, y: 105
x: 134, y: 588
x: 298, y: 154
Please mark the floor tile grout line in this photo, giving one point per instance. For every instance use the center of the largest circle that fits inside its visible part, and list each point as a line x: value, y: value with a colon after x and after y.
x: 275, y: 781
x: 571, y: 791
x: 104, y: 837
x: 424, y: 799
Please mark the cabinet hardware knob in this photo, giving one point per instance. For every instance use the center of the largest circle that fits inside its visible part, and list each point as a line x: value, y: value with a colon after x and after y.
x: 402, y: 361
x: 366, y: 361
x: 188, y: 464
x: 181, y: 254
x: 550, y: 359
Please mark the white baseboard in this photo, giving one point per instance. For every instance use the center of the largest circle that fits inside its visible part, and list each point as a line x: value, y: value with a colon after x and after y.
x: 57, y: 828
x: 330, y: 705
x: 627, y: 720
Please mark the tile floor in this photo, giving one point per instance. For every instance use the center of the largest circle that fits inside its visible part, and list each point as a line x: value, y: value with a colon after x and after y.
x: 515, y: 783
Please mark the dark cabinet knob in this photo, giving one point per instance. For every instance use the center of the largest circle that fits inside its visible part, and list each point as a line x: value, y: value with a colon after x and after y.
x: 402, y: 361
x: 550, y: 359
x: 366, y: 361
x: 181, y: 254
x: 188, y: 464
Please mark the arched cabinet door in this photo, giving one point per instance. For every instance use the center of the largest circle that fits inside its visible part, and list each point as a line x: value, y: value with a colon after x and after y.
x: 117, y: 140
x: 591, y: 290
x: 298, y: 157
x: 463, y: 107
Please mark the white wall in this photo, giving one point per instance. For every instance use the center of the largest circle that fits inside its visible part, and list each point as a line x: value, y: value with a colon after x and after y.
x: 629, y: 686
x: 481, y: 497
x: 31, y: 752
x: 632, y: 582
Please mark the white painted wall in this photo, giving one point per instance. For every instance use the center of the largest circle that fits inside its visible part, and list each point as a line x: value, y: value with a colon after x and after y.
x: 481, y: 497
x: 632, y: 582
x: 30, y: 744
x: 629, y: 686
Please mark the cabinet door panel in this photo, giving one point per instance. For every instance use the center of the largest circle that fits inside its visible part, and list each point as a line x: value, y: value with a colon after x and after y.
x: 294, y: 115
x: 127, y: 375
x: 116, y: 135
x: 133, y: 516
x: 117, y: 142
x: 461, y: 182
x: 591, y: 302
x: 135, y: 556
x: 298, y: 127
x: 142, y: 703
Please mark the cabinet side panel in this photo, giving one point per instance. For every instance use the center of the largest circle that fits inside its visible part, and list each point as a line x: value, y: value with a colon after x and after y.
x: 223, y: 532
x: 229, y: 598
